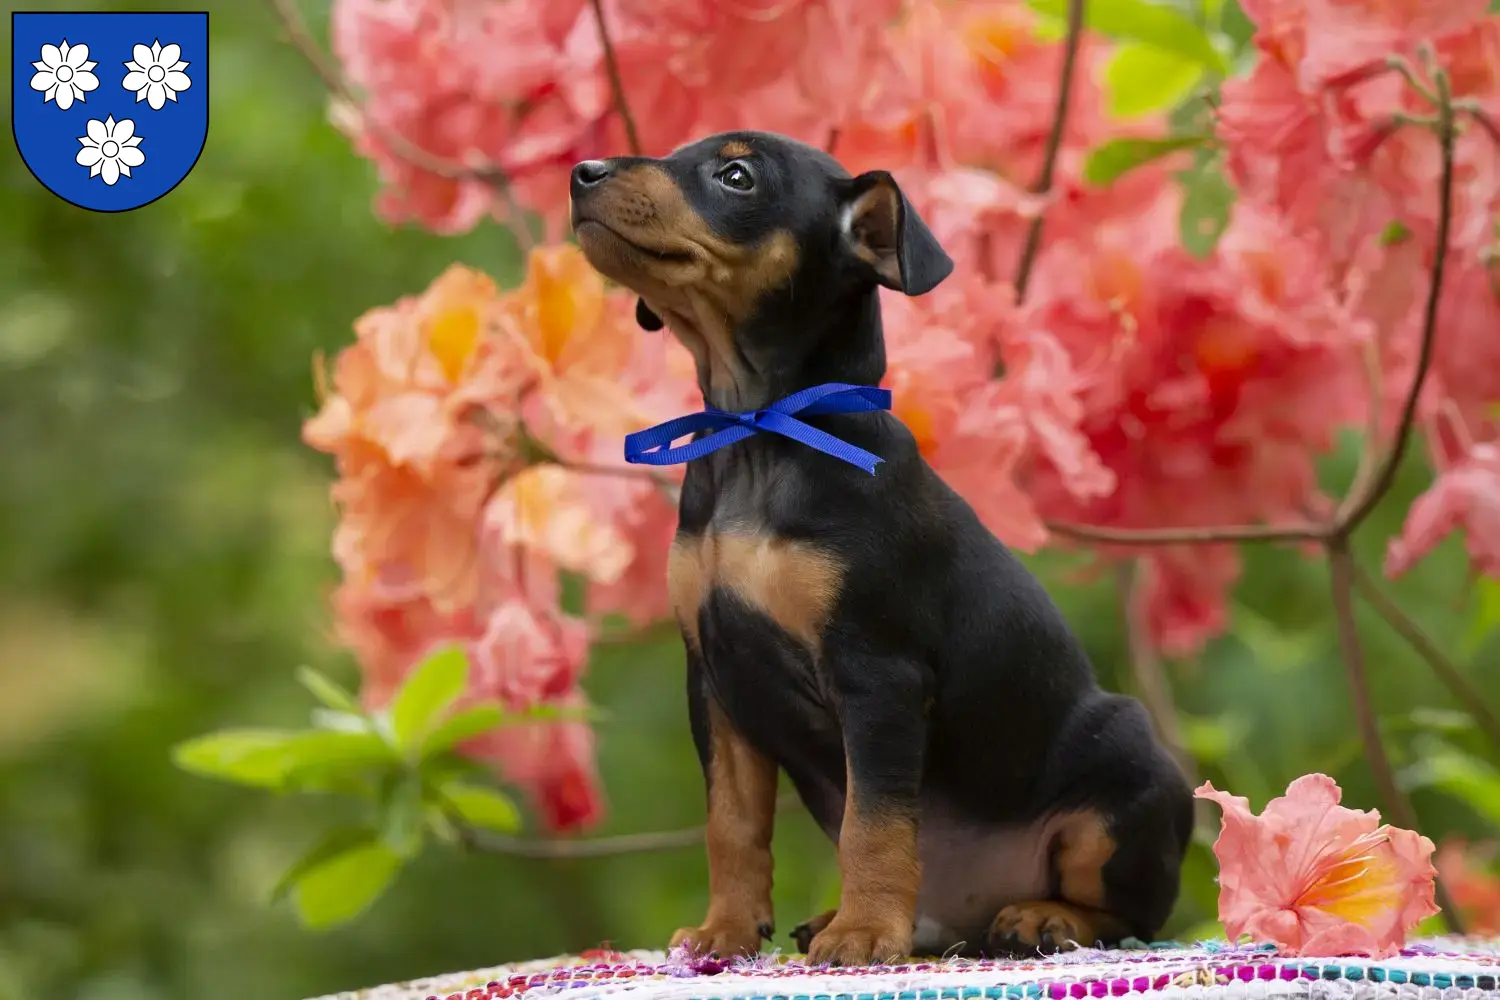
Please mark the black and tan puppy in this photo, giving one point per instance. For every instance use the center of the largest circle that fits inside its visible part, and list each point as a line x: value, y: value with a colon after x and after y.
x: 867, y: 634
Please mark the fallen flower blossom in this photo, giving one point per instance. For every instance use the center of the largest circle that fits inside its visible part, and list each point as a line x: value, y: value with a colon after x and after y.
x: 1318, y: 878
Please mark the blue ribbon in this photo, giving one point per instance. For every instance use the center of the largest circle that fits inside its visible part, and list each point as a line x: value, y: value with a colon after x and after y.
x: 653, y: 446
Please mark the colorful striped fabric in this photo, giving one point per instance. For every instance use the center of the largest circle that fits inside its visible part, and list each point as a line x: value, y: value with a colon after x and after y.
x: 1430, y: 969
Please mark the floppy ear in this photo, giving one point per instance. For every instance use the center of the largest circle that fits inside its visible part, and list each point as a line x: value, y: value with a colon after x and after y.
x: 647, y: 319
x: 882, y: 229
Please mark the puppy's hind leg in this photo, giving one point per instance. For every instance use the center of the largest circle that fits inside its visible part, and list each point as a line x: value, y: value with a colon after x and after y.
x: 1115, y: 867
x: 804, y: 932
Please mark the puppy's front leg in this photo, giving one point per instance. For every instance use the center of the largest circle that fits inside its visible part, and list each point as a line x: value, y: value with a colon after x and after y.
x: 885, y: 732
x: 741, y: 817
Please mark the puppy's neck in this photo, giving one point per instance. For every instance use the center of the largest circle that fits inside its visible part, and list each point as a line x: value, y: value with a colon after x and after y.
x: 784, y: 350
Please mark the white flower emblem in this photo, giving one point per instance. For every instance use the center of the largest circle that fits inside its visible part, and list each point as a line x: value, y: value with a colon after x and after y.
x: 156, y: 74
x: 63, y: 74
x: 109, y: 150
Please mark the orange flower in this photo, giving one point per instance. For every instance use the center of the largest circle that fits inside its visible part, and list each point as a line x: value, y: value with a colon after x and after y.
x: 578, y: 340
x: 1317, y: 878
x: 1473, y: 883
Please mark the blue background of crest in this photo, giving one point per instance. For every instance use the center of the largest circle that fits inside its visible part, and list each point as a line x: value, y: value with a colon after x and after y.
x: 47, y: 136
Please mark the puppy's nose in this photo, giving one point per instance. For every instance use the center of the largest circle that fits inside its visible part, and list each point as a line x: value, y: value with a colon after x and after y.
x: 589, y: 173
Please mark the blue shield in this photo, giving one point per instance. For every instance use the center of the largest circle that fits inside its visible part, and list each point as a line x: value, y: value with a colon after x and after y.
x: 109, y: 111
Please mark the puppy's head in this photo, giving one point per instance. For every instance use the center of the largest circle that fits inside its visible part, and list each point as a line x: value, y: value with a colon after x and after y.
x: 732, y: 239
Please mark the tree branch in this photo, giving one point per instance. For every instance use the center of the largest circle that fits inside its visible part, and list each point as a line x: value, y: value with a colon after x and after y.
x: 1054, y: 144
x: 616, y: 83
x: 1398, y: 806
x: 599, y: 847
x: 1467, y: 695
x: 1360, y: 504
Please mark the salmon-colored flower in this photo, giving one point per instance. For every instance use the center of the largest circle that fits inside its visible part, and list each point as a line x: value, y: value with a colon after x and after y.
x: 1469, y: 872
x: 1318, y: 878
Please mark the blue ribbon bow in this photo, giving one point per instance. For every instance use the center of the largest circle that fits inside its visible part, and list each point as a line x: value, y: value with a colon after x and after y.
x: 652, y: 446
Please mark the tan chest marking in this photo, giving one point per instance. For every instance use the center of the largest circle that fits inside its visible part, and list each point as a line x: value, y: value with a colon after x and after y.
x: 792, y: 583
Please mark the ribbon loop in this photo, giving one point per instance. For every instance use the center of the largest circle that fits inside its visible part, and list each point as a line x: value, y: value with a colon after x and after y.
x: 653, y: 446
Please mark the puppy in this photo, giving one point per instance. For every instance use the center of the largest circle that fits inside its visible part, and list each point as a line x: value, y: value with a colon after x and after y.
x: 865, y: 633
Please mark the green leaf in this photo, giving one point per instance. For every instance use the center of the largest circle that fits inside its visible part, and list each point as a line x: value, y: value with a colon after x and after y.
x: 1467, y: 778
x: 335, y: 842
x: 460, y: 726
x: 282, y: 759
x: 257, y: 757
x: 425, y: 695
x: 1395, y: 232
x: 1207, y: 202
x: 1144, y: 80
x: 483, y: 807
x: 343, y: 886
x: 1486, y: 615
x: 328, y: 691
x: 402, y: 827
x: 321, y: 758
x: 1120, y: 156
x: 1147, y: 22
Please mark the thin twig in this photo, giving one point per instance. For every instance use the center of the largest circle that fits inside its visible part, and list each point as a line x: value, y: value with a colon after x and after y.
x: 616, y: 83
x: 1467, y: 695
x: 1398, y: 806
x: 1360, y: 504
x: 1306, y: 532
x: 1151, y: 679
x: 1054, y: 144
x: 598, y: 847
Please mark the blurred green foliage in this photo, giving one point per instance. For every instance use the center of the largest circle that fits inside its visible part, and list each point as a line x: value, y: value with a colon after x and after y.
x: 164, y: 565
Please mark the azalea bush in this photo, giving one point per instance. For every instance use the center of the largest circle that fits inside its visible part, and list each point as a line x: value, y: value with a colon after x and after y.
x: 1200, y: 246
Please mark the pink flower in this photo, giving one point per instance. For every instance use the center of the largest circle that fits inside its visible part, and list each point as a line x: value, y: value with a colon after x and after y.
x: 1317, y: 878
x: 1466, y: 495
x: 554, y: 763
x: 1470, y: 875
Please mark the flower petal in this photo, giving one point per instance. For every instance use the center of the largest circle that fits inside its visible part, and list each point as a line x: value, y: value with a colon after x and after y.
x: 77, y: 55
x: 142, y: 55
x: 135, y: 81
x: 156, y: 96
x: 178, y: 81
x: 131, y: 157
x: 43, y: 80
x: 124, y: 167
x: 64, y: 50
x: 94, y: 170
x: 156, y: 51
x: 88, y: 66
x: 88, y: 156
x: 169, y: 54
x: 97, y: 131
x: 51, y: 56
x: 134, y: 67
x: 86, y: 81
x: 110, y: 171
x: 124, y: 129
x: 181, y: 65
x: 65, y: 94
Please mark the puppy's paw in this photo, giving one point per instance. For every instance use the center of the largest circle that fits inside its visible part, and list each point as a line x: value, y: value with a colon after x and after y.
x: 859, y: 942
x: 1046, y: 927
x: 804, y: 932
x: 726, y: 939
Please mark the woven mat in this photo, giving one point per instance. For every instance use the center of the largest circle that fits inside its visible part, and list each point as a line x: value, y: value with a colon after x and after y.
x: 1430, y: 969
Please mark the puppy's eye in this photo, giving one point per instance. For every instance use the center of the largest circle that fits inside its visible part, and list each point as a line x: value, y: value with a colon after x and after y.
x: 736, y: 178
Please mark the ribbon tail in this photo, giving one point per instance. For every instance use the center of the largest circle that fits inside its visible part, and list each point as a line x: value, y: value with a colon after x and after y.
x: 791, y: 427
